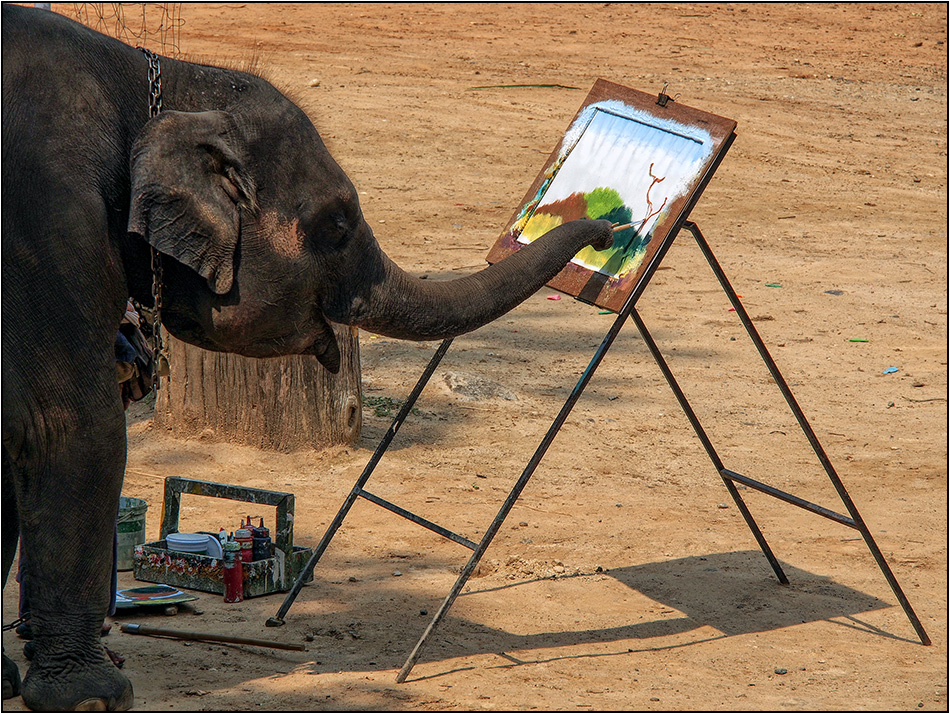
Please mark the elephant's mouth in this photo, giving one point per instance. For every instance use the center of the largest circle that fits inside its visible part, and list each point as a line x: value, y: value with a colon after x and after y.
x: 315, y: 338
x: 187, y: 329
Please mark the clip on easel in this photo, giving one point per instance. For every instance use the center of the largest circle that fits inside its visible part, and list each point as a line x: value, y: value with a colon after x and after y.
x: 678, y: 149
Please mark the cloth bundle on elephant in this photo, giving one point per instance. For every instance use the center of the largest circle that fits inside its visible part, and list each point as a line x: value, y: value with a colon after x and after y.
x: 263, y: 244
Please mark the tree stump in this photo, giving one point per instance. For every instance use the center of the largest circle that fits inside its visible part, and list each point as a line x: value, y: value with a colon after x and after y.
x: 281, y: 403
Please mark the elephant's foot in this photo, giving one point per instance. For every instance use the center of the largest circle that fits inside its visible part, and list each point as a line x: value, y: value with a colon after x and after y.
x: 71, y: 672
x: 95, y: 686
x: 11, y: 678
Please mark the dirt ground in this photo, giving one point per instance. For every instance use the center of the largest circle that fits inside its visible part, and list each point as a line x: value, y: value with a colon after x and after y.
x: 625, y: 578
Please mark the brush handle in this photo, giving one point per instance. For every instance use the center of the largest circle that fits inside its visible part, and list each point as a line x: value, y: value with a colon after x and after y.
x: 133, y: 629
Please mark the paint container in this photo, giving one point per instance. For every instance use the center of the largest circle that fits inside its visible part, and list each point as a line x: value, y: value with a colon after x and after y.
x: 246, y: 540
x: 233, y: 572
x: 130, y: 529
x: 262, y: 543
x: 187, y: 542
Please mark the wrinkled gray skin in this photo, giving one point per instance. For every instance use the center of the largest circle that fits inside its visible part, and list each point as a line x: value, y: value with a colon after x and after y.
x: 264, y: 244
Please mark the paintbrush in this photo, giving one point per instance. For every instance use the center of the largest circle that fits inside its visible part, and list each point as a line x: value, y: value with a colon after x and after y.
x: 624, y: 227
x: 133, y: 629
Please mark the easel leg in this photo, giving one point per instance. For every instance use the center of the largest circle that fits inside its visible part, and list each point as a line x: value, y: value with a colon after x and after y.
x: 710, y: 450
x: 808, y: 431
x: 278, y: 619
x: 517, y: 489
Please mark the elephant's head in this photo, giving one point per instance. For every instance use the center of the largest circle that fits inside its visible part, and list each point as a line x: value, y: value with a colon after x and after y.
x: 269, y: 243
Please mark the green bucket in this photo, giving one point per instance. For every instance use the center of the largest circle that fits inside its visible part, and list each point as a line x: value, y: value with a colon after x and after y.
x: 130, y: 526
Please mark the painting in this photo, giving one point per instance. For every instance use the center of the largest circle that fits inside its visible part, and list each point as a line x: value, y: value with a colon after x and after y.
x: 633, y: 161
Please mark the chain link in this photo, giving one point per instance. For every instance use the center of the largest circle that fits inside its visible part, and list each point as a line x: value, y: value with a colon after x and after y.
x: 154, y: 83
x: 16, y: 623
x: 160, y: 357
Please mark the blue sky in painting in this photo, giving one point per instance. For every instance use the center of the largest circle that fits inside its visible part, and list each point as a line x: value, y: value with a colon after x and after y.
x: 616, y: 152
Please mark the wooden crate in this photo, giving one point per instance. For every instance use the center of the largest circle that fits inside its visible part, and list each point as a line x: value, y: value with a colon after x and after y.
x: 154, y: 563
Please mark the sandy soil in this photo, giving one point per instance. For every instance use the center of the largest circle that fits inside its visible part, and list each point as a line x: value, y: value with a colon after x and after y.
x: 625, y: 577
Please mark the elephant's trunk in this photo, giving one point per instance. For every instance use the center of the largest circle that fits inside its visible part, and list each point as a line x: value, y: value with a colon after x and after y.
x: 393, y: 303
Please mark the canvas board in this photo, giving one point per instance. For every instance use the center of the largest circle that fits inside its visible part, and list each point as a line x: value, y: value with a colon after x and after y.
x: 629, y: 160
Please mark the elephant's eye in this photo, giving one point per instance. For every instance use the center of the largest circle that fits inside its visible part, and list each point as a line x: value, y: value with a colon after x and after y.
x: 327, y: 230
x: 330, y: 226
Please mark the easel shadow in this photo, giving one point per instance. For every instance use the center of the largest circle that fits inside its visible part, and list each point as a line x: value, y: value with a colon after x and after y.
x: 734, y: 593
x: 747, y: 596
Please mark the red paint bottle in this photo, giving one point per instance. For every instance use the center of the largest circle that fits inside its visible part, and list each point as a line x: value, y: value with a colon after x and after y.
x: 246, y: 541
x: 233, y: 572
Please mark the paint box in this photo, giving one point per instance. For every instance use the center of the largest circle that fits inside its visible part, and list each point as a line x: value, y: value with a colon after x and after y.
x: 153, y: 562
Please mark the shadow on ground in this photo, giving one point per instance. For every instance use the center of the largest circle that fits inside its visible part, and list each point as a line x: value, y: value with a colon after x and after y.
x: 748, y: 599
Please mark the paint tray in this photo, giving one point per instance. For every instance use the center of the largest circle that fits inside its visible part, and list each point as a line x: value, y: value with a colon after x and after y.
x: 150, y: 596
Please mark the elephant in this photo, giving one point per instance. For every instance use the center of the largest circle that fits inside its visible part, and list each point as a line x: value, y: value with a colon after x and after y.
x: 263, y: 245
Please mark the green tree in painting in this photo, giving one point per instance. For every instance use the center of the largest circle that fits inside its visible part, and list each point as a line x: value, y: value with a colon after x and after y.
x: 607, y: 204
x: 600, y: 203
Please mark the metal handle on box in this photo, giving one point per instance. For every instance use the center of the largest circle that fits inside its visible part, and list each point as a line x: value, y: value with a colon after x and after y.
x: 175, y: 486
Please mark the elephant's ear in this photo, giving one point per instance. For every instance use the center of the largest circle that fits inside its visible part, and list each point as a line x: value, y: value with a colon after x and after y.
x: 189, y: 187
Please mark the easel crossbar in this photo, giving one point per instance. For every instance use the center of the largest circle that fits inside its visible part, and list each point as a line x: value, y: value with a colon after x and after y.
x: 419, y: 520
x: 789, y: 498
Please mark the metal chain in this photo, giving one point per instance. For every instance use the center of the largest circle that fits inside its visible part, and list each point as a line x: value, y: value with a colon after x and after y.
x: 159, y: 357
x: 154, y: 83
x: 16, y: 623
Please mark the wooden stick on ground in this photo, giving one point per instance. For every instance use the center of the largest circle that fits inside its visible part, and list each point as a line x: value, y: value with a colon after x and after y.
x: 208, y: 637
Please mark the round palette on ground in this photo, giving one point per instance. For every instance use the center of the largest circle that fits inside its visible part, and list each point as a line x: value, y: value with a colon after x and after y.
x: 151, y: 596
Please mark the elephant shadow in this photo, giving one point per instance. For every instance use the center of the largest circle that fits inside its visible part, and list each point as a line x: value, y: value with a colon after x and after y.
x: 732, y: 593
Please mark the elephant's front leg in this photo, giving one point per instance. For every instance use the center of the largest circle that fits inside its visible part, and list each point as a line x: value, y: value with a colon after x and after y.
x: 68, y: 501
